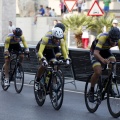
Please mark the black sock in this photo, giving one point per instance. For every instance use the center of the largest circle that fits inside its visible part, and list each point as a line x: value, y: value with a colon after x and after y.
x: 92, y: 89
x: 37, y: 79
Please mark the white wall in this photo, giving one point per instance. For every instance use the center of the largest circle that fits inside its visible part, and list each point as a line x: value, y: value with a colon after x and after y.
x: 33, y: 33
x: 7, y: 13
x: 0, y: 19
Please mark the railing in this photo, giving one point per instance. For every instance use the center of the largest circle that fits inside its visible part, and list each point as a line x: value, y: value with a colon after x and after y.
x: 81, y: 65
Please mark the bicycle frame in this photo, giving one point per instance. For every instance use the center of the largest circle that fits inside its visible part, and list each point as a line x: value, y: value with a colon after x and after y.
x: 108, y: 90
x: 111, y: 76
x: 16, y: 59
x: 52, y: 68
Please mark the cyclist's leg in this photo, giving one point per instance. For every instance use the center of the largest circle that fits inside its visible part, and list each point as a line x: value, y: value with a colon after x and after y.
x: 6, y: 68
x: 6, y: 65
x: 57, y: 52
x: 21, y: 56
x: 52, y: 58
x: 47, y: 53
x: 40, y: 71
x: 112, y: 59
x: 94, y: 78
x: 97, y: 65
x: 97, y: 72
x: 39, y: 74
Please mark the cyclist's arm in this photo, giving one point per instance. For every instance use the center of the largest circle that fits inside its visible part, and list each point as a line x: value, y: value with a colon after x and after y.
x: 66, y: 47
x: 42, y: 47
x: 64, y: 51
x: 7, y: 43
x: 97, y: 55
x: 24, y: 42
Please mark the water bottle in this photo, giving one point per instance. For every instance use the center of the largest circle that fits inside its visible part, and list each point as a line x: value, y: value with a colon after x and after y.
x: 47, y: 80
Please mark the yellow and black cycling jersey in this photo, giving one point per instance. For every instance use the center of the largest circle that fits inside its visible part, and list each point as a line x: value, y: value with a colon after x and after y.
x: 65, y: 39
x: 10, y: 40
x: 102, y: 42
x: 47, y: 43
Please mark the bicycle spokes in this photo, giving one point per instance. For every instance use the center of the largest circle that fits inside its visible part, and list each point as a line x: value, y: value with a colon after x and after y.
x: 113, y: 100
x: 19, y: 79
x: 56, y: 91
x: 40, y: 94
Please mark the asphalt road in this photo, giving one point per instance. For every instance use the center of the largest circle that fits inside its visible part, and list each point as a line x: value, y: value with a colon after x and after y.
x: 23, y: 106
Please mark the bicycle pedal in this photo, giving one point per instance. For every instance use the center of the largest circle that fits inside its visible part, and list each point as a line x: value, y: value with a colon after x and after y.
x: 6, y: 85
x: 98, y: 101
x: 48, y: 92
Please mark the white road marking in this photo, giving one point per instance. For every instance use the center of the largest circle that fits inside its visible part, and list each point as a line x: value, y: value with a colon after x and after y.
x: 72, y: 91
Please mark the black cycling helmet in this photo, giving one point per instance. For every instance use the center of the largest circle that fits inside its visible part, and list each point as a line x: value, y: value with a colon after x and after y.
x: 60, y: 25
x: 17, y: 32
x: 114, y: 34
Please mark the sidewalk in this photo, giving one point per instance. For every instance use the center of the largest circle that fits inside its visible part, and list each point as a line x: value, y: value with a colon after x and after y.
x: 80, y: 85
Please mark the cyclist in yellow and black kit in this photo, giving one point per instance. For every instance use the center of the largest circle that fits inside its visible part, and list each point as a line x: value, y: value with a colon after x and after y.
x: 12, y: 42
x: 46, y: 50
x: 60, y: 25
x: 101, y: 54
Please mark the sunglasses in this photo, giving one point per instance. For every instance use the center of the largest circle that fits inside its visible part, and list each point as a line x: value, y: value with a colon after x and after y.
x: 113, y: 42
x: 17, y: 37
x: 56, y: 38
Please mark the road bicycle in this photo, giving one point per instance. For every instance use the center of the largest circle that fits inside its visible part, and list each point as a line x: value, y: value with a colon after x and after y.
x: 106, y: 88
x: 16, y: 73
x: 52, y: 84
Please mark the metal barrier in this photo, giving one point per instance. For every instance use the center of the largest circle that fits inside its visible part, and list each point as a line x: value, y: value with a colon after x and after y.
x: 80, y: 70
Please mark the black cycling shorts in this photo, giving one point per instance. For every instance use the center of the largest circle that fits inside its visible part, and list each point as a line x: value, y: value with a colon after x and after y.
x: 104, y: 53
x: 15, y: 47
x: 51, y: 53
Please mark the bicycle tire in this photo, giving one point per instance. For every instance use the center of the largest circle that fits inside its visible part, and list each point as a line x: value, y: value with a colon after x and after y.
x: 40, y: 95
x: 92, y: 107
x: 19, y: 78
x: 62, y: 76
x: 5, y: 88
x: 57, y: 94
x: 113, y: 101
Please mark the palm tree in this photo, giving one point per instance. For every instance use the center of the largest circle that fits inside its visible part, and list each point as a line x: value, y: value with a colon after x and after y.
x: 75, y: 23
x: 98, y: 23
x: 94, y: 24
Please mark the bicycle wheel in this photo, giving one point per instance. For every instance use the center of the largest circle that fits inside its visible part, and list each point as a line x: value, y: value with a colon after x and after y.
x: 113, y: 100
x: 19, y: 78
x: 2, y: 80
x: 56, y: 91
x: 91, y: 106
x: 62, y: 76
x: 40, y: 94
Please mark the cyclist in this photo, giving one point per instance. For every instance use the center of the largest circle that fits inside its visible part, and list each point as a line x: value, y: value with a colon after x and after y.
x: 60, y: 25
x: 12, y: 42
x: 46, y: 52
x: 100, y: 54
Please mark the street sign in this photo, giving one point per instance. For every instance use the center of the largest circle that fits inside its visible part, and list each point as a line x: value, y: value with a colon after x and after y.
x: 70, y: 4
x: 95, y: 10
